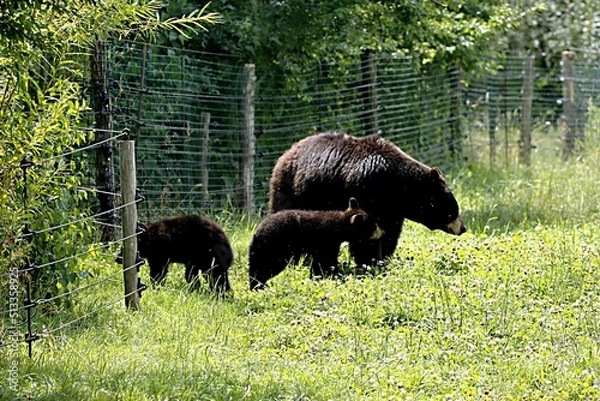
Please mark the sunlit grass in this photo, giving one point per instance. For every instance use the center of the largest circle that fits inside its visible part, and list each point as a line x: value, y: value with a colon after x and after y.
x: 508, y: 311
x: 549, y: 191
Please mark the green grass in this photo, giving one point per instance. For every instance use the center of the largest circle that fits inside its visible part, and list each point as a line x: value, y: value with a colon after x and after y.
x: 508, y: 311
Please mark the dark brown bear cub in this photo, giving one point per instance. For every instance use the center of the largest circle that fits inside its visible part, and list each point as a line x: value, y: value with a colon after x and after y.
x: 284, y: 236
x: 195, y: 241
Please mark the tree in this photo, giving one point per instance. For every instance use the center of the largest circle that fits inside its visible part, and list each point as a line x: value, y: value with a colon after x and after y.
x: 289, y: 37
x: 549, y: 27
x: 43, y: 59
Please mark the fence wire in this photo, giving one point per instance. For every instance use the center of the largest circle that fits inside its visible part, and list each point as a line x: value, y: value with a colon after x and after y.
x: 186, y: 110
x: 51, y: 289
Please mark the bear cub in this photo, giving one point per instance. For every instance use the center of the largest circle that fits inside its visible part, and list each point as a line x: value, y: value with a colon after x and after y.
x: 284, y: 236
x: 195, y: 241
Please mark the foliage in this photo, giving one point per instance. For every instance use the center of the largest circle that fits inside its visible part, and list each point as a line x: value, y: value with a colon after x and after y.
x: 553, y: 26
x: 43, y: 46
x: 309, y: 56
x: 548, y: 28
x: 39, y: 117
x: 289, y: 38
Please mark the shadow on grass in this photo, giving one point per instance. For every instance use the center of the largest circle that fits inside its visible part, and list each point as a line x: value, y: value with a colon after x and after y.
x: 172, y: 382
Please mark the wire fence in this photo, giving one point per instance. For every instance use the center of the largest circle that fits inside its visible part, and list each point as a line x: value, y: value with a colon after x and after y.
x: 187, y: 112
x: 190, y: 113
x: 52, y: 284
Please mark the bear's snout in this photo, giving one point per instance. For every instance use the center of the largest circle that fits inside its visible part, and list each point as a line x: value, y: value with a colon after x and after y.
x: 378, y: 233
x: 456, y: 226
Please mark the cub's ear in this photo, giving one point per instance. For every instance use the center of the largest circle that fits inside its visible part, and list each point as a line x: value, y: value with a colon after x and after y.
x: 358, y: 218
x: 353, y: 203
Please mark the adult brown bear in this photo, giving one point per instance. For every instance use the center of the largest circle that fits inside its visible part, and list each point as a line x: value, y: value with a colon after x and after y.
x: 322, y: 171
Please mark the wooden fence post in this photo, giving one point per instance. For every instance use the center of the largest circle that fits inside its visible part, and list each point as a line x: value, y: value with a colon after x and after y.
x: 103, y: 132
x: 569, y: 107
x: 492, y: 112
x: 141, y: 91
x: 369, y: 92
x: 455, y: 145
x: 205, y: 118
x: 525, y: 137
x: 248, y: 140
x: 129, y: 222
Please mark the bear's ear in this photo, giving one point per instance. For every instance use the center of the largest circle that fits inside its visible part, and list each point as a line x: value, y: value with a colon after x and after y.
x: 353, y: 203
x: 436, y: 173
x: 357, y: 218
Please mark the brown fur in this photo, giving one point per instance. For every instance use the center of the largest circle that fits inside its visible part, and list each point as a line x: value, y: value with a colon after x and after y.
x: 322, y: 171
x: 285, y: 236
x: 195, y: 241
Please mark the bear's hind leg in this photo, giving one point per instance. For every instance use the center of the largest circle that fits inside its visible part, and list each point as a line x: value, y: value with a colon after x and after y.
x: 158, y: 270
x: 222, y: 261
x: 213, y: 272
x: 220, y: 282
x: 191, y: 274
x: 217, y: 278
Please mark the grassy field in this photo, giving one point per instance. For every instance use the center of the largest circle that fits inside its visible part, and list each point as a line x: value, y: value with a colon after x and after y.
x: 508, y: 311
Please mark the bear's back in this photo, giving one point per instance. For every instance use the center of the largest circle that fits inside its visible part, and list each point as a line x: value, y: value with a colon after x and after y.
x: 338, y: 147
x: 322, y: 171
x: 184, y: 234
x: 297, y: 224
